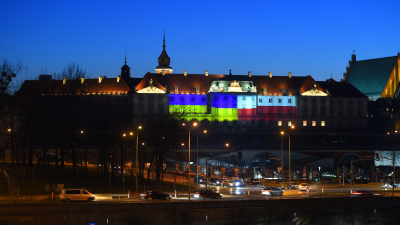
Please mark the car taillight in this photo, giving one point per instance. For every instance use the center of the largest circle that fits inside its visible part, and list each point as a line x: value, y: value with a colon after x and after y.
x: 269, y: 190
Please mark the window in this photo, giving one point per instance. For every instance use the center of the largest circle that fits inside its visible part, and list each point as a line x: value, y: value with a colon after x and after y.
x: 182, y: 99
x: 289, y: 100
x: 280, y: 111
x: 350, y: 102
x: 192, y: 99
x: 150, y: 97
x: 225, y: 122
x: 203, y: 111
x: 304, y: 123
x: 314, y: 111
x: 359, y: 102
x: 216, y: 122
x: 314, y: 100
x: 304, y: 111
x: 253, y: 122
x: 340, y: 102
x: 359, y: 113
x: 244, y: 122
x: 279, y: 100
x: 322, y: 100
x: 260, y: 100
x: 304, y: 100
x: 244, y: 98
x: 387, y: 109
x: 161, y: 97
x: 140, y: 109
x: 279, y: 123
x: 160, y: 109
x: 119, y: 99
x: 314, y: 123
x: 203, y: 99
x: 140, y: 97
x: 225, y: 129
x: 171, y: 110
x: 270, y: 100
x: 234, y: 122
x: 340, y: 113
x: 289, y: 123
x: 225, y: 98
x: 243, y: 129
x: 150, y: 109
x: 289, y: 111
x: 234, y: 98
x: 192, y: 110
x: 126, y: 99
x: 350, y: 113
x: 171, y: 99
x: 323, y: 110
x: 216, y: 98
x: 322, y: 123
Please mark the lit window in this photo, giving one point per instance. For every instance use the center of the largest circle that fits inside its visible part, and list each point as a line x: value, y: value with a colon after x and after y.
x: 244, y: 122
x: 314, y: 123
x: 322, y: 123
x: 203, y: 110
x: 171, y: 110
x: 387, y: 109
x: 279, y: 123
x: 304, y: 123
x: 289, y: 123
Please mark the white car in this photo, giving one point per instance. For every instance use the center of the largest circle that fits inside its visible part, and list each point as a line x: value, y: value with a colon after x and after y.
x: 272, y: 191
x: 229, y: 183
x: 303, y: 187
x: 76, y: 195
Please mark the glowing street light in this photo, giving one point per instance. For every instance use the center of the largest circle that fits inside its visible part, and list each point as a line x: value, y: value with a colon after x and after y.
x: 194, y: 124
x: 197, y: 170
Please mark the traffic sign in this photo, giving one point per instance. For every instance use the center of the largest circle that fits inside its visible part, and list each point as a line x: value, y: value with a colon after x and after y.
x: 282, y: 181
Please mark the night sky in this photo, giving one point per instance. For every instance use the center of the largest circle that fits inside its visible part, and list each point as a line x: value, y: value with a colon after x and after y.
x: 313, y: 38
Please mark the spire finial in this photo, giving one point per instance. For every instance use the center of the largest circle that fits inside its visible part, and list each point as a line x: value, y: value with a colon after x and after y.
x: 354, y: 52
x: 164, y: 40
x: 230, y: 72
x: 125, y: 57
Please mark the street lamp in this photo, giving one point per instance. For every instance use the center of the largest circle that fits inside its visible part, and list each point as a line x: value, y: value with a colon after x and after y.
x: 9, y: 144
x: 197, y: 169
x: 283, y: 133
x: 84, y: 137
x: 394, y: 164
x: 193, y: 125
x: 137, y: 147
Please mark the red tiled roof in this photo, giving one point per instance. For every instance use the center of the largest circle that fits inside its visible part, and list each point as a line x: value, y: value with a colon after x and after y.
x: 187, y: 84
x: 107, y: 85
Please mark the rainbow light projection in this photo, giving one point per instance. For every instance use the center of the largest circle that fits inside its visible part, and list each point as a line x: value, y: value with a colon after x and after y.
x: 232, y: 107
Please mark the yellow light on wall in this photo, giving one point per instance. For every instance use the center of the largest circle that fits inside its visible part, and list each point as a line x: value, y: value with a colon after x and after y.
x: 314, y: 123
x: 279, y: 123
x: 322, y: 123
x: 304, y: 123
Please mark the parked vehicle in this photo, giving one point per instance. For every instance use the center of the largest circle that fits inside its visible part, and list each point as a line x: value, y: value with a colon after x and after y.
x: 303, y: 187
x: 149, y: 195
x: 272, y: 191
x: 215, y: 181
x: 207, y: 194
x: 202, y: 180
x: 228, y: 183
x: 253, y: 181
x: 76, y: 195
x: 293, y: 185
x: 224, y: 177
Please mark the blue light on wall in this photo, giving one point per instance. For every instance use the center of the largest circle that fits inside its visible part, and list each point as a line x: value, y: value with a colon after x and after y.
x: 187, y: 99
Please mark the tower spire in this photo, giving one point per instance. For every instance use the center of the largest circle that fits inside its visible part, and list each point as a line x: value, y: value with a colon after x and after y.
x: 125, y: 57
x: 164, y: 40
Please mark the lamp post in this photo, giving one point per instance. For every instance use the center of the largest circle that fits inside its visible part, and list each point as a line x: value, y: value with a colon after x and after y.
x: 197, y: 169
x: 9, y: 143
x: 394, y: 164
x: 192, y: 125
x: 290, y: 169
x: 137, y: 147
x: 84, y: 138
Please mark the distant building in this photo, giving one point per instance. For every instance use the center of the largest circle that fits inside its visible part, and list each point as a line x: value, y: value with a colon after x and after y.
x: 374, y: 77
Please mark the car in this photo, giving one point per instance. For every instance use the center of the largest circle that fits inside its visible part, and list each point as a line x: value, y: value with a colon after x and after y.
x: 253, y: 181
x: 149, y: 195
x: 387, y: 185
x: 293, y: 185
x: 202, y: 180
x: 224, y: 177
x: 215, y: 181
x: 76, y: 195
x: 270, y: 191
x: 303, y: 187
x: 207, y: 194
x: 228, y: 183
x: 364, y: 193
x: 239, y: 183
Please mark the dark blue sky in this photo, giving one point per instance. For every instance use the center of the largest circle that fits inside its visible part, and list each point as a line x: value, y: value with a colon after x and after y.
x: 313, y: 38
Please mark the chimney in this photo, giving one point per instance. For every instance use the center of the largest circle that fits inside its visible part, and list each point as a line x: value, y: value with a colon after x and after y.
x: 118, y: 78
x: 64, y: 80
x: 185, y: 73
x: 82, y: 79
x: 206, y: 73
x: 100, y: 79
x: 249, y: 73
x: 290, y: 74
x: 163, y: 72
x: 270, y: 74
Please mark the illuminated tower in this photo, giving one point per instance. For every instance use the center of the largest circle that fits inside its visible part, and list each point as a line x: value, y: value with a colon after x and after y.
x: 164, y: 61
